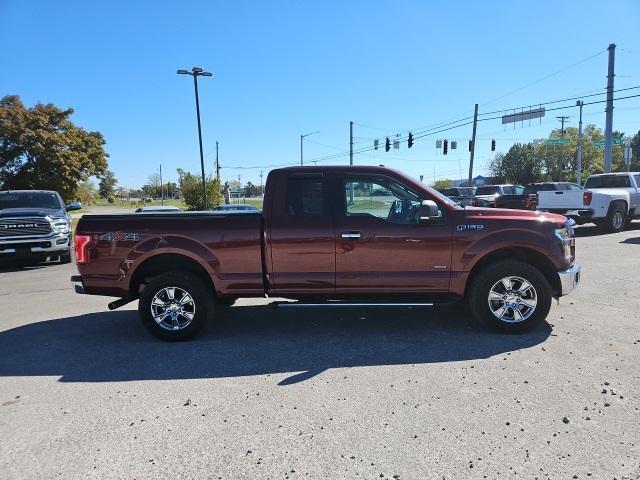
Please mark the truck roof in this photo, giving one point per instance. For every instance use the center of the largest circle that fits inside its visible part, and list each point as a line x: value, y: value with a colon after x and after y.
x: 28, y: 191
x: 617, y: 174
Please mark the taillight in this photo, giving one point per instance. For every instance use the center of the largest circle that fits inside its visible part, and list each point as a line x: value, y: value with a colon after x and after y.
x: 586, y: 198
x: 81, y: 242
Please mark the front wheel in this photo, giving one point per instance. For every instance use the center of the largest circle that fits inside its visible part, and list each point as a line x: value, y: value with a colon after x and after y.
x: 510, y: 295
x: 175, y: 305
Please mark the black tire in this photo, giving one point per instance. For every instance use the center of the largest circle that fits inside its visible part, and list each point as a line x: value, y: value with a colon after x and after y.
x: 65, y: 258
x: 201, y: 307
x: 490, y: 278
x: 616, y: 220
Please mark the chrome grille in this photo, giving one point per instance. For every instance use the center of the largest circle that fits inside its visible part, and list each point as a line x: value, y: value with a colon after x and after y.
x: 24, y: 227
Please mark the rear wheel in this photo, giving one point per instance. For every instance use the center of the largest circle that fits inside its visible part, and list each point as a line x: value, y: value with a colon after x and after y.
x: 616, y: 218
x: 175, y: 305
x: 510, y: 296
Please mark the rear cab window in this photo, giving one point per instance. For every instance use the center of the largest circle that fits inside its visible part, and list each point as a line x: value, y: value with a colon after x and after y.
x: 306, y: 197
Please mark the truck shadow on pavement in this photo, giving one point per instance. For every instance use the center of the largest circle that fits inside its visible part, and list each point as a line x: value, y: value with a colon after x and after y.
x: 250, y: 340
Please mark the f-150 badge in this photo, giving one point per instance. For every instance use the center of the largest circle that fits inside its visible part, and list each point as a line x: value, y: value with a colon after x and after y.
x: 470, y: 226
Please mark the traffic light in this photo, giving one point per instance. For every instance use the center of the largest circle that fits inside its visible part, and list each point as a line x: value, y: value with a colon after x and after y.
x: 445, y: 147
x: 387, y: 145
x: 470, y: 145
x: 493, y: 145
x: 410, y: 141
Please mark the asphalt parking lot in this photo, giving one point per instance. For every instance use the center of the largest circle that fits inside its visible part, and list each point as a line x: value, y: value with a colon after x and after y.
x: 394, y: 393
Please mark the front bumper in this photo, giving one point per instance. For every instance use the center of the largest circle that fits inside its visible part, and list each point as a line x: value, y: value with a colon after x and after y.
x: 35, y: 246
x: 569, y: 279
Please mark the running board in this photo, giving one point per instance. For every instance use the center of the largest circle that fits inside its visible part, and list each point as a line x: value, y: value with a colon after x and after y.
x: 343, y: 304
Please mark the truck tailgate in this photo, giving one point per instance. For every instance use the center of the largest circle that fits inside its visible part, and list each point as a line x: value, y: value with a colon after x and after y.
x: 569, y: 199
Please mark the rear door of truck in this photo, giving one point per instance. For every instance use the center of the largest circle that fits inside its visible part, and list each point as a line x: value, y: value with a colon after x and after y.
x: 300, y: 247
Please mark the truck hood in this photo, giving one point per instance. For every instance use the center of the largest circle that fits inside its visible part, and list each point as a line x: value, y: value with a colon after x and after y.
x: 32, y: 212
x: 511, y: 214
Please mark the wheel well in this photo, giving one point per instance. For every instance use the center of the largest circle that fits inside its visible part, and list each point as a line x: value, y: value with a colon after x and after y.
x: 166, y: 262
x: 536, y: 259
x: 615, y: 202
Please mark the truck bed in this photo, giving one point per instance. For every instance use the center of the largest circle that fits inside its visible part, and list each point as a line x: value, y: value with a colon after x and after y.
x: 227, y: 244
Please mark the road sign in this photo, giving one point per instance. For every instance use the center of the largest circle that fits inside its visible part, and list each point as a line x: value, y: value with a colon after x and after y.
x: 627, y: 153
x: 519, y: 117
x: 600, y: 143
x: 557, y: 141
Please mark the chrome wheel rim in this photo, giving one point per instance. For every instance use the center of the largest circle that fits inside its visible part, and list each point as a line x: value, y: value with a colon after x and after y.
x: 512, y: 299
x: 173, y: 308
x: 618, y: 220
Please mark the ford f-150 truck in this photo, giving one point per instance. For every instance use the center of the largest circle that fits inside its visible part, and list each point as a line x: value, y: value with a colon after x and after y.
x: 34, y: 226
x: 610, y: 200
x: 324, y: 238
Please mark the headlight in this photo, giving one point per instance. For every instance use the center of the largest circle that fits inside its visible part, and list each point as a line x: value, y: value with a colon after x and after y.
x: 564, y: 234
x: 60, y: 225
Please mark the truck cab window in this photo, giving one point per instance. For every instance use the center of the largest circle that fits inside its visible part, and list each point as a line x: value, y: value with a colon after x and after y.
x: 305, y: 197
x: 383, y: 199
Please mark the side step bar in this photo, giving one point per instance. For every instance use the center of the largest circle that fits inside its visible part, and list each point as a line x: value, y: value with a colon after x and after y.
x: 345, y: 304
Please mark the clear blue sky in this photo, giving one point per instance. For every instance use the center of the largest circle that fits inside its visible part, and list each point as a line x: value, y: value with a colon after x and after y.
x: 284, y: 68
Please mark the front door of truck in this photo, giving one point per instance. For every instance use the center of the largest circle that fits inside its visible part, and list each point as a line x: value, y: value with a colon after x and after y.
x: 301, y: 236
x: 381, y: 246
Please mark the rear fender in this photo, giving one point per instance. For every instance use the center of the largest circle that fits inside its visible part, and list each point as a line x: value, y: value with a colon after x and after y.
x: 171, y: 244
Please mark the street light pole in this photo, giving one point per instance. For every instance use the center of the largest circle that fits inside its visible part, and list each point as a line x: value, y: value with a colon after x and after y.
x: 301, y: 139
x: 579, y: 103
x: 195, y: 73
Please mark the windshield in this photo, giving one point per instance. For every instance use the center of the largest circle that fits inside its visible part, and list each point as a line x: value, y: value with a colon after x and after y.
x: 491, y: 190
x: 29, y: 200
x: 608, y: 181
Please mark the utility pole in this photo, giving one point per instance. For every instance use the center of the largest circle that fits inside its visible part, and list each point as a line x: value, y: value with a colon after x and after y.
x: 195, y: 73
x: 261, y: 188
x: 579, y: 103
x: 473, y: 144
x: 161, y: 187
x: 217, y: 164
x: 608, y: 129
x: 350, y: 143
x: 562, y: 119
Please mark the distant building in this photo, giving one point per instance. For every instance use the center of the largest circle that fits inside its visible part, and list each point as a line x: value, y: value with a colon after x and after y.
x: 477, y: 181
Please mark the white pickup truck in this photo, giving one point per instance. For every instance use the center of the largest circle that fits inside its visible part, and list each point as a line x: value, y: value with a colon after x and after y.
x: 610, y: 200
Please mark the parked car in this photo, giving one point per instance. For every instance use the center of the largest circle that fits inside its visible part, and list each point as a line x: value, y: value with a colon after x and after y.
x: 528, y: 199
x: 157, y: 209
x: 463, y: 195
x: 488, y: 195
x: 34, y: 226
x: 74, y: 205
x: 609, y: 200
x: 235, y: 207
x: 314, y: 245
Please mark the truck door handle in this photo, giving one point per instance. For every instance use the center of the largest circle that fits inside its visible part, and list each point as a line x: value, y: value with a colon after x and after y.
x: 559, y: 193
x: 351, y: 234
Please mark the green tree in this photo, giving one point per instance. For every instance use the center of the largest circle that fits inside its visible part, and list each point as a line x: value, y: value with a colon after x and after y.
x: 520, y: 165
x: 41, y: 148
x: 86, y: 192
x: 440, y: 185
x: 107, y: 184
x: 251, y: 190
x: 635, y: 152
x: 193, y: 195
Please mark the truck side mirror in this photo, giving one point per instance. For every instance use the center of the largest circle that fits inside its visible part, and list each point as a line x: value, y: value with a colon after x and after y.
x: 429, y: 211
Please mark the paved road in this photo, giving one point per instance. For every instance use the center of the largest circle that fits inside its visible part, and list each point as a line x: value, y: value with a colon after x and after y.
x: 281, y: 394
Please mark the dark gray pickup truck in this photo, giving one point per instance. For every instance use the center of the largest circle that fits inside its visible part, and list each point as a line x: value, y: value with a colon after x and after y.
x: 34, y: 226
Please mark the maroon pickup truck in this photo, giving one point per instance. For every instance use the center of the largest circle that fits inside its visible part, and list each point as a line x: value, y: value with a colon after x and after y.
x: 333, y: 236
